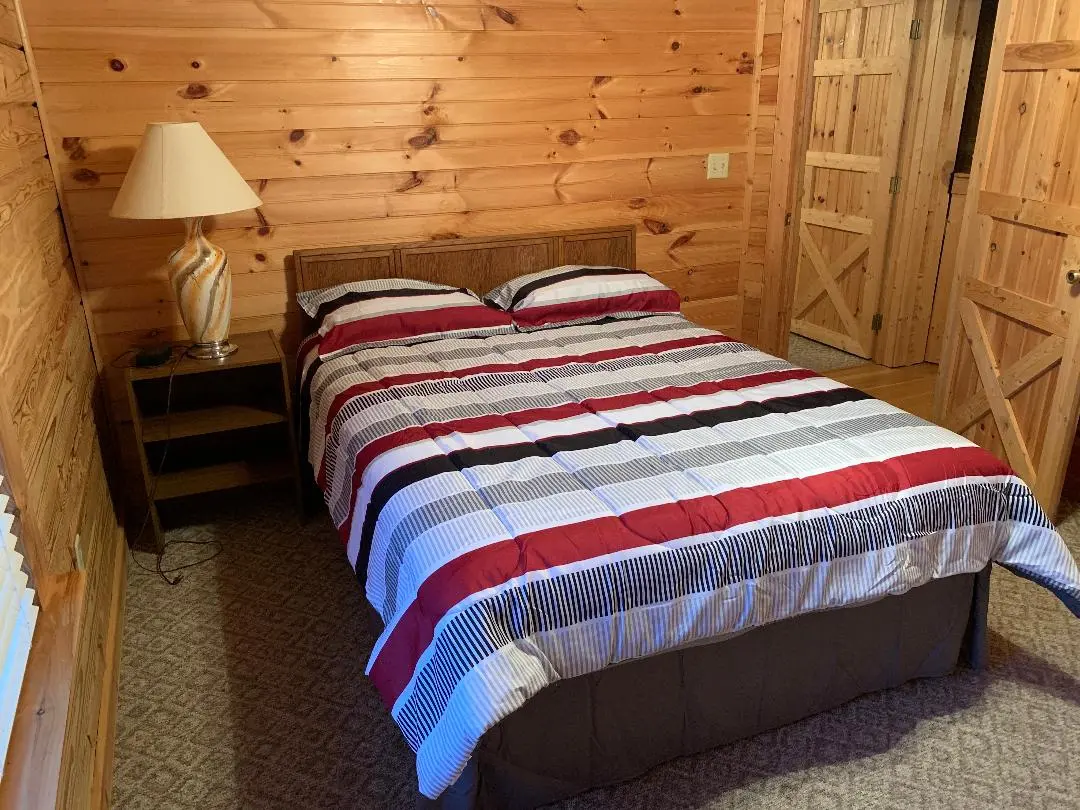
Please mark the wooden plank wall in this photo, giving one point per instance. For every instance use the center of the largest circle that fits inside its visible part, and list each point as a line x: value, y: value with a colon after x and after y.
x: 373, y: 122
x: 50, y: 416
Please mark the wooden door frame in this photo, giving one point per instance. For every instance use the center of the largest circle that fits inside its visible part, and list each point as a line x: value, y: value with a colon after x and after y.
x: 940, y: 74
x: 792, y: 130
x: 794, y: 104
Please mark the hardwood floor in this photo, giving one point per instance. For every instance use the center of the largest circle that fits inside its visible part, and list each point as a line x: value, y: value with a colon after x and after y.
x: 908, y: 387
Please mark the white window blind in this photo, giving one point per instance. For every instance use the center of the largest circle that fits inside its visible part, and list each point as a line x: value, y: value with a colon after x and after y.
x: 18, y: 613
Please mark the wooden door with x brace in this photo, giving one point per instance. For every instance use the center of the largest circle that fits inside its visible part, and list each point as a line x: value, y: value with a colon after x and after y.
x: 863, y: 54
x: 1010, y: 375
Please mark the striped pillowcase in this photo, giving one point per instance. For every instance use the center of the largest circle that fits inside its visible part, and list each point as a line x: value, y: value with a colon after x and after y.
x: 576, y: 294
x: 383, y: 312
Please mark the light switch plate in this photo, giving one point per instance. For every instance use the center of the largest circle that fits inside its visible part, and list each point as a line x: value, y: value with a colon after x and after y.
x: 718, y: 165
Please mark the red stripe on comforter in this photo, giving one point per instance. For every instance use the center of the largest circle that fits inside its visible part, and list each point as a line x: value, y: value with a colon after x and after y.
x: 398, y: 325
x: 499, y: 562
x: 648, y: 301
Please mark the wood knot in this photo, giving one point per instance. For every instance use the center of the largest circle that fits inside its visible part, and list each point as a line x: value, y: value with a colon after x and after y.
x: 430, y: 109
x: 296, y: 136
x: 445, y: 235
x: 195, y: 90
x: 700, y: 89
x: 1023, y: 108
x: 195, y: 63
x: 117, y: 64
x: 298, y: 162
x: 86, y: 176
x: 638, y: 202
x: 570, y: 137
x: 74, y: 148
x: 415, y: 179
x: 745, y: 65
x: 683, y: 239
x: 264, y: 230
x: 600, y: 81
x: 657, y: 227
x: 425, y: 139
x: 676, y: 45
x: 504, y: 15
x: 260, y: 257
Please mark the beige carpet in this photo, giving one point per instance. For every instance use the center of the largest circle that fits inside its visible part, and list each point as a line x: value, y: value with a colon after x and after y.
x: 243, y: 687
x: 819, y: 357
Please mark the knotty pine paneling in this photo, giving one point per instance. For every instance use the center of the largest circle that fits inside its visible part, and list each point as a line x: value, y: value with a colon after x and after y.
x: 50, y: 417
x: 360, y: 123
x: 435, y: 15
x: 49, y: 372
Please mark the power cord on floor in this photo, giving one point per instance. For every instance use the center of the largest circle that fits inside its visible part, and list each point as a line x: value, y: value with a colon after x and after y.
x: 159, y: 562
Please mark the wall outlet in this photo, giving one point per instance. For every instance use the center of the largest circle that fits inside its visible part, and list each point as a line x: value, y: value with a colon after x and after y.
x: 718, y: 165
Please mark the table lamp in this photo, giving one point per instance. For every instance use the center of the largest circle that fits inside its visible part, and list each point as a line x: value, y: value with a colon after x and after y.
x: 179, y: 172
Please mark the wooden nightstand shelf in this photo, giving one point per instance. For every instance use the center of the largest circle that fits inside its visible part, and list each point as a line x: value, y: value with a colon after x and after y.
x: 208, y: 425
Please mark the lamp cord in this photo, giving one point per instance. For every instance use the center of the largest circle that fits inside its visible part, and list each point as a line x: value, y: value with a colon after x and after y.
x: 159, y: 562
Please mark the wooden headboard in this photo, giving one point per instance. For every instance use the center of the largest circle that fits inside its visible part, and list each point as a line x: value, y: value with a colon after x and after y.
x: 481, y: 264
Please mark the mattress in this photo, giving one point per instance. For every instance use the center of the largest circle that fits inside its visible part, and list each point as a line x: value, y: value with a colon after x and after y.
x: 528, y: 508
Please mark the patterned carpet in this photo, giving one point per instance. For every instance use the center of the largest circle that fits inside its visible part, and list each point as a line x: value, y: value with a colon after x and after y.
x: 243, y: 687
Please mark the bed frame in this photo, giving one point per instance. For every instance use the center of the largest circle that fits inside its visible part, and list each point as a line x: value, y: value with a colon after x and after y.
x: 481, y: 264
x: 616, y: 724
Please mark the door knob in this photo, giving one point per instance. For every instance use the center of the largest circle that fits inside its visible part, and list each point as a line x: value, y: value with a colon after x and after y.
x: 1072, y: 276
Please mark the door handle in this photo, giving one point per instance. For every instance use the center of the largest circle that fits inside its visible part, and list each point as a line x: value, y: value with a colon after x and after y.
x: 1072, y: 277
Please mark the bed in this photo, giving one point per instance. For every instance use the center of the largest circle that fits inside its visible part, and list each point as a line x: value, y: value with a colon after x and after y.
x: 793, y: 641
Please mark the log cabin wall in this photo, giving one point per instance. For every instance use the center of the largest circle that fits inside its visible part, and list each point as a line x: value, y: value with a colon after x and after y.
x: 51, y: 423
x: 360, y: 123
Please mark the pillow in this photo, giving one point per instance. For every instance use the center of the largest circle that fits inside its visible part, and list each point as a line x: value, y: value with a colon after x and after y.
x: 312, y: 300
x: 382, y: 312
x: 576, y: 294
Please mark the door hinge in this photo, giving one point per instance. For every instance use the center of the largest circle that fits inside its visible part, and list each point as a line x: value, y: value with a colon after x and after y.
x: 875, y: 324
x: 894, y: 184
x: 916, y: 29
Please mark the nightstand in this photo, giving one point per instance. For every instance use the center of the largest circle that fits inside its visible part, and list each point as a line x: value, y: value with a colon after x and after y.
x: 208, y: 425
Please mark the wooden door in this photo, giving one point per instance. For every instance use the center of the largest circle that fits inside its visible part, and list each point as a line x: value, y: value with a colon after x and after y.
x: 863, y: 52
x: 1010, y: 376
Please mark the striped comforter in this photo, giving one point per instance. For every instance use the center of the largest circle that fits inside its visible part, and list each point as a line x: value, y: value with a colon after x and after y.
x: 531, y: 507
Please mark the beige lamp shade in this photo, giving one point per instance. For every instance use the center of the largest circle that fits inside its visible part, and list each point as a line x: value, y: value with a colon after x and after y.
x: 179, y: 172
